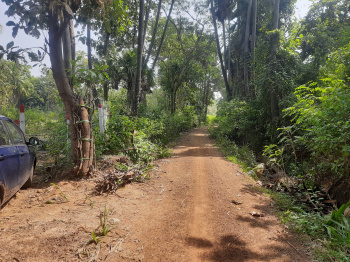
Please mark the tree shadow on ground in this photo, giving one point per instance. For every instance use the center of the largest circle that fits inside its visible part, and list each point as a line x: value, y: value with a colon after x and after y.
x: 43, y: 179
x: 255, y: 222
x: 198, y: 242
x: 232, y: 248
x: 254, y: 191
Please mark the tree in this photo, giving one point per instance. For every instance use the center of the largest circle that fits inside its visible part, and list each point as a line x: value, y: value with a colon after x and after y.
x: 140, y: 39
x: 325, y: 29
x: 15, y: 83
x: 57, y: 18
x: 228, y: 90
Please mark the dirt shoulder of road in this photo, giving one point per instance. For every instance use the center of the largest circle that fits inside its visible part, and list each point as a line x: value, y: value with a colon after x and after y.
x: 196, y: 206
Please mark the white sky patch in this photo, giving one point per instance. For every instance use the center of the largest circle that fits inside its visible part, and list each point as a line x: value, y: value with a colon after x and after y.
x: 302, y: 7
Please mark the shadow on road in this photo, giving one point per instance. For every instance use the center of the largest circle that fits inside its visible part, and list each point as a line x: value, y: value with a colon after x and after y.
x: 232, y: 248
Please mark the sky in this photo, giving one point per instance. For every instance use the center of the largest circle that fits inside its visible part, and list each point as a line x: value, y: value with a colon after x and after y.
x: 24, y: 41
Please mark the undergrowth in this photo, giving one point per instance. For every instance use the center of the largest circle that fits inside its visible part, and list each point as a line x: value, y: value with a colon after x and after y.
x: 241, y: 155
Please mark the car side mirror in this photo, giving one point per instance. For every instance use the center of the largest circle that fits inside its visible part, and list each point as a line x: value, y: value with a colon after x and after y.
x: 34, y: 141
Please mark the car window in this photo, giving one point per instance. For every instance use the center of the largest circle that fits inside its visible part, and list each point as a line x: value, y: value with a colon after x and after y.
x: 4, y: 136
x: 17, y: 135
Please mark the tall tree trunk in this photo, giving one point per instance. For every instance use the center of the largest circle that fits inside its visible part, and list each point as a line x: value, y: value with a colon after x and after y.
x: 273, y: 46
x: 276, y: 14
x: 275, y: 37
x: 135, y: 102
x: 253, y: 43
x: 134, y: 29
x: 72, y: 39
x: 228, y: 90
x: 88, y: 43
x: 143, y: 88
x: 154, y: 32
x: 82, y: 155
x: 246, y: 47
x: 105, y: 52
x: 67, y: 48
x: 229, y: 56
x: 224, y: 38
x: 149, y: 2
x: 163, y: 36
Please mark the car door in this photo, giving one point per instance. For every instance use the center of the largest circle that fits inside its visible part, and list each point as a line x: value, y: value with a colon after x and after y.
x: 25, y: 161
x: 9, y: 162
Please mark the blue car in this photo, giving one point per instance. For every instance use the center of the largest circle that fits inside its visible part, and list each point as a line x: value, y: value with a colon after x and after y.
x: 17, y: 159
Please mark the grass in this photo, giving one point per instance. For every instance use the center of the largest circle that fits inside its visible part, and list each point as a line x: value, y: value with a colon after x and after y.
x: 104, y: 226
x: 62, y: 194
x: 326, y: 244
x: 91, y: 202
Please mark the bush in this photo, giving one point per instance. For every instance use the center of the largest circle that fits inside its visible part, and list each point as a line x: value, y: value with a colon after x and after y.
x: 143, y: 139
x: 240, y: 122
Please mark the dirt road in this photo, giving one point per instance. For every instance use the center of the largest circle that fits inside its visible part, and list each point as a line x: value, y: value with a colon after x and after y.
x: 196, y: 207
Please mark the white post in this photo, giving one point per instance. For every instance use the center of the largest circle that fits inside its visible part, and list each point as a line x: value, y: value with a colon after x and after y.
x: 22, y: 121
x: 67, y: 122
x: 105, y: 115
x: 100, y: 118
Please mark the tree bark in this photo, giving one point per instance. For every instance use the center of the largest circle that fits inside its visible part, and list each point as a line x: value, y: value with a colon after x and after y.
x: 105, y: 52
x: 225, y: 50
x: 246, y: 48
x: 154, y: 33
x: 135, y: 102
x: 229, y: 57
x: 149, y: 2
x: 72, y: 38
x: 253, y: 43
x: 274, y: 45
x: 67, y: 48
x: 134, y: 30
x: 163, y: 36
x: 228, y: 90
x: 88, y: 43
x: 69, y: 100
x: 276, y: 14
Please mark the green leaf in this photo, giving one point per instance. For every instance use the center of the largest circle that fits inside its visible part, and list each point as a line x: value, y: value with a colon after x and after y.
x: 9, y: 45
x: 10, y: 23
x: 14, y: 31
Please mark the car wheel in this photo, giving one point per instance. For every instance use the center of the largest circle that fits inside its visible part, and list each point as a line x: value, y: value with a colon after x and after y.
x: 29, y: 182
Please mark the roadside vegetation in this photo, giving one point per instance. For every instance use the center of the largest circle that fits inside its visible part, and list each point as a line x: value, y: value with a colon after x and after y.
x: 274, y: 90
x: 304, y: 141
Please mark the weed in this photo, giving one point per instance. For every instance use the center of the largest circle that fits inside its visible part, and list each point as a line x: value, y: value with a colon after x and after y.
x: 103, y: 228
x: 337, y: 215
x: 164, y: 153
x: 62, y: 194
x: 104, y: 224
x: 122, y: 167
x: 95, y: 238
x: 91, y: 202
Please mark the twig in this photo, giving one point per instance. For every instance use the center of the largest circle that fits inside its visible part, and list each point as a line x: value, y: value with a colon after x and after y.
x: 119, y: 243
x: 96, y: 253
x: 294, y: 248
x: 238, y: 236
